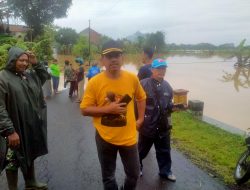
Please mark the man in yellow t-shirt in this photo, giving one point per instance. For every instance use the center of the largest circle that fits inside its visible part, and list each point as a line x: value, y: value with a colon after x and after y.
x: 108, y: 98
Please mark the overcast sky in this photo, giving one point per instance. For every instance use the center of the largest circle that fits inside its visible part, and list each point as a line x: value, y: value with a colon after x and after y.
x: 182, y: 21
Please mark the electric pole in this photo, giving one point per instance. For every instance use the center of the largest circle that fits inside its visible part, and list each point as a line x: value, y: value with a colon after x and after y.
x: 89, y: 43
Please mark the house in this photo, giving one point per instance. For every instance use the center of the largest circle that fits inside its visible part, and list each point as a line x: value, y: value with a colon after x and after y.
x: 95, y: 37
x: 16, y: 30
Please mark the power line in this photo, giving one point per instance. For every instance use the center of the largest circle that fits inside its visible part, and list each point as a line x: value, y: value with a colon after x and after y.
x: 110, y: 8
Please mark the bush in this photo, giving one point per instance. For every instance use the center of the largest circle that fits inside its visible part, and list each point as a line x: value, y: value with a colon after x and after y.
x: 3, y: 54
x: 41, y: 48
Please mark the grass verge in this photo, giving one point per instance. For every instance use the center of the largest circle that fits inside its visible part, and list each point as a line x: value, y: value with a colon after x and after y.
x: 210, y: 147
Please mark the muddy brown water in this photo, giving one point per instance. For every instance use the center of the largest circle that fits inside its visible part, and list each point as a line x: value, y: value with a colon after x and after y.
x: 224, y: 89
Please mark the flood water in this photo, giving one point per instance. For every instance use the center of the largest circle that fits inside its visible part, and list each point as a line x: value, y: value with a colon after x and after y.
x: 224, y: 89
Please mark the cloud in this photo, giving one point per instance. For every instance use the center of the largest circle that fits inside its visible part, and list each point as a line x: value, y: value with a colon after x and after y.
x: 182, y: 21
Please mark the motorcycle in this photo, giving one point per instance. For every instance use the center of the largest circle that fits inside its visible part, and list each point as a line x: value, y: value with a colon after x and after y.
x: 242, y: 170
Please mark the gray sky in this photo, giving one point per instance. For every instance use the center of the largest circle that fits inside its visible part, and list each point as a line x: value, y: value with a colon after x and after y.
x: 182, y: 21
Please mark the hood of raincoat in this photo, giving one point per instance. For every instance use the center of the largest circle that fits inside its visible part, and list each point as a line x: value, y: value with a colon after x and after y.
x: 13, y: 55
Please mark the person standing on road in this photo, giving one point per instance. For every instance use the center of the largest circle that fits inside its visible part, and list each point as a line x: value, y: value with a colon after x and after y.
x: 93, y: 70
x: 55, y: 74
x: 157, y: 120
x: 115, y: 121
x: 23, y: 116
x: 147, y: 58
x: 80, y: 79
x: 67, y: 73
x: 47, y: 88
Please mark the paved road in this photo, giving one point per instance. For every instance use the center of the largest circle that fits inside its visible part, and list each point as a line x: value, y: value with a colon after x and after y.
x: 72, y: 162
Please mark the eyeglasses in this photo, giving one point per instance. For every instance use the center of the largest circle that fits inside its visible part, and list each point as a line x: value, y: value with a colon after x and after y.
x: 113, y: 55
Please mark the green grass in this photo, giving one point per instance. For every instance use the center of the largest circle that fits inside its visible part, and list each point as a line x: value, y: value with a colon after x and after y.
x: 209, y: 147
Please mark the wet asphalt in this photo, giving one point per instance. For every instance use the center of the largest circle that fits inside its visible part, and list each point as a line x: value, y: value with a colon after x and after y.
x: 72, y: 162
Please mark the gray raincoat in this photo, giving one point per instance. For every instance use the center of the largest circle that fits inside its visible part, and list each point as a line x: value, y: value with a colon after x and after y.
x: 23, y: 109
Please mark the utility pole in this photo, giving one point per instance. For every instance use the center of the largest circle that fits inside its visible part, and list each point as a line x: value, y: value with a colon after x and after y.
x: 89, y: 42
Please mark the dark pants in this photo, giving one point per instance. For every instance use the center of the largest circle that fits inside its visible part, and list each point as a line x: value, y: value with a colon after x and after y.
x: 107, y: 154
x: 55, y: 82
x: 162, y: 147
x: 73, y: 87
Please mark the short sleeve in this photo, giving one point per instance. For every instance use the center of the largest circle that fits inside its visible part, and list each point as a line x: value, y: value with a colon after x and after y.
x: 89, y: 98
x: 139, y: 92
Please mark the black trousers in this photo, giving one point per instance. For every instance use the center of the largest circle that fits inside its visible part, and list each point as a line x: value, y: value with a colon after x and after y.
x: 72, y: 88
x: 162, y: 147
x: 107, y: 154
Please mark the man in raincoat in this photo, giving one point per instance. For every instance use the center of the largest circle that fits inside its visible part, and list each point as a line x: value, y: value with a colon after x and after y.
x: 23, y: 115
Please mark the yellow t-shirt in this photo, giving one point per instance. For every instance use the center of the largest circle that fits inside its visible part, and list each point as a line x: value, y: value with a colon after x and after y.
x: 100, y: 91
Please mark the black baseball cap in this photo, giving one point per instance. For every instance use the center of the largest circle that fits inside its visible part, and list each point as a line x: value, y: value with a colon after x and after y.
x: 111, y: 46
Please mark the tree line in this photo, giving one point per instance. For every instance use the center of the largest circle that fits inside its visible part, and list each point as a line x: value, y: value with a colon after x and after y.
x: 36, y: 13
x: 39, y: 16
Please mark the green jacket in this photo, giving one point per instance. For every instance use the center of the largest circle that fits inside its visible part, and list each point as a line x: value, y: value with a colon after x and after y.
x: 23, y: 109
x: 55, y: 70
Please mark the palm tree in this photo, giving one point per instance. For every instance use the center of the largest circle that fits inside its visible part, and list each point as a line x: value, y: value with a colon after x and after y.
x: 242, y: 53
x: 240, y: 78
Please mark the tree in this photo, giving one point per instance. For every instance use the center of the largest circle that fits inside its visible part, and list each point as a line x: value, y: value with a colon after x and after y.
x: 81, y: 48
x: 241, y: 77
x: 37, y: 13
x: 41, y: 48
x: 156, y: 40
x: 242, y: 53
x: 140, y: 41
x: 130, y: 47
x: 103, y: 39
x: 66, y: 36
x: 4, y: 15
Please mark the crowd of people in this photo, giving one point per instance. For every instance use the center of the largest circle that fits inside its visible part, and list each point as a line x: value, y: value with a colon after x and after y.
x: 121, y: 104
x: 75, y: 77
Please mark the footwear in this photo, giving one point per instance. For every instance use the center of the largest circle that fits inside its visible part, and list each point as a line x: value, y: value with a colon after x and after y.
x: 141, y: 166
x: 140, y: 173
x: 12, y: 177
x: 170, y: 177
x: 33, y: 185
x: 30, y: 180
